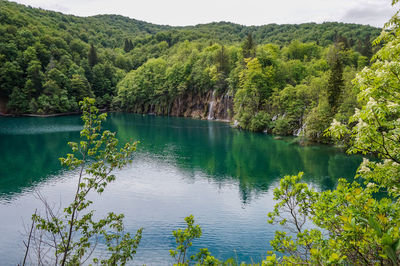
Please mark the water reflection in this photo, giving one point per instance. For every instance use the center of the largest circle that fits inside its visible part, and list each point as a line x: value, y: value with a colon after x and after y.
x: 182, y: 166
x: 255, y: 160
x: 30, y: 148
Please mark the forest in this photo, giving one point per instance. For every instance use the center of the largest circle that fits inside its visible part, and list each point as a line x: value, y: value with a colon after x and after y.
x: 330, y: 82
x: 281, y: 79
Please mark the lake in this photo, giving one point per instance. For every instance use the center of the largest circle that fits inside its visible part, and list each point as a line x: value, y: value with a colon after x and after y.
x: 223, y: 176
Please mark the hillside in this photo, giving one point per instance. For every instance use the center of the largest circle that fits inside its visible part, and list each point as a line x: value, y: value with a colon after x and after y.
x: 50, y: 61
x: 110, y: 30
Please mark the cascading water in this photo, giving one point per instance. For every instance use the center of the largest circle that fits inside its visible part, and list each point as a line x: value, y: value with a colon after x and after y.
x: 211, y: 107
x: 298, y: 132
x: 225, y: 101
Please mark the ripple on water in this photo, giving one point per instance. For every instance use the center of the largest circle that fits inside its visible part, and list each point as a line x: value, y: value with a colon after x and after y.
x: 35, y: 130
x: 224, y: 177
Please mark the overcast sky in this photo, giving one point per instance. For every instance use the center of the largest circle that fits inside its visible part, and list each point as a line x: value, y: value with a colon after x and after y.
x: 247, y: 12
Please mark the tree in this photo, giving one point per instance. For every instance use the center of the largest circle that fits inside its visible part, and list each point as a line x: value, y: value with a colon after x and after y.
x: 223, y: 61
x: 223, y: 67
x: 301, y: 51
x: 252, y: 94
x: 71, y: 236
x: 10, y: 78
x: 18, y: 101
x: 35, y: 77
x: 318, y: 120
x: 365, y: 47
x: 347, y: 225
x: 376, y: 124
x: 128, y: 45
x: 249, y: 47
x: 335, y: 81
x: 92, y: 56
x: 80, y: 87
x: 351, y: 224
x: 145, y: 86
x: 184, y: 238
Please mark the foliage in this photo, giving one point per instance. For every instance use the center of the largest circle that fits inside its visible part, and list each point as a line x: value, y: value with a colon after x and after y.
x: 318, y: 120
x: 253, y: 89
x: 282, y: 125
x: 301, y: 83
x: 335, y: 79
x: 70, y: 237
x: 50, y: 61
x: 374, y: 128
x: 128, y: 46
x: 92, y: 56
x: 347, y: 225
x: 249, y: 47
x: 354, y: 223
x: 184, y: 238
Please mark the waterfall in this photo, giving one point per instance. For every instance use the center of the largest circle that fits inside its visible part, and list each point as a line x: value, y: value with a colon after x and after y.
x: 211, y: 107
x: 300, y: 130
x: 226, y: 106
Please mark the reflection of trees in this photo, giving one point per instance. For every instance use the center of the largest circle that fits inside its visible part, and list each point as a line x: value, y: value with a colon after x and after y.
x: 254, y: 160
x: 31, y: 152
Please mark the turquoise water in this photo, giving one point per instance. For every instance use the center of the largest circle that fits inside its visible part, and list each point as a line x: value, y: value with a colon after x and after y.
x: 223, y: 176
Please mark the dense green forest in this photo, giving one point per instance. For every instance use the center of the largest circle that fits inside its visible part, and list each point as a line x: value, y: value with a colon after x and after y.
x: 287, y: 79
x: 283, y: 79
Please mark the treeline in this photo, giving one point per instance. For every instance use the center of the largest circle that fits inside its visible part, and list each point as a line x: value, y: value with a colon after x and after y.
x: 50, y: 61
x: 44, y: 58
x: 295, y: 89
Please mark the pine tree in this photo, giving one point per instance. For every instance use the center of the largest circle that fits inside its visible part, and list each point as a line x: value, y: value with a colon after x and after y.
x: 249, y: 47
x: 126, y: 46
x: 341, y: 41
x: 367, y: 47
x: 223, y: 61
x: 92, y: 57
x: 335, y: 82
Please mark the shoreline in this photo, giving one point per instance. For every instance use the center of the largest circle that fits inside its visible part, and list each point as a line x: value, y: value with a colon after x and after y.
x: 45, y: 115
x: 37, y: 115
x: 300, y: 139
x: 50, y: 115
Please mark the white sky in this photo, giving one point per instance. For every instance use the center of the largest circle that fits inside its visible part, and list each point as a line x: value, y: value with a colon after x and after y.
x: 247, y: 12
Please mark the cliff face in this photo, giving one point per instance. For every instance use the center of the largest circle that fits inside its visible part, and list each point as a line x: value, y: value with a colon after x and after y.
x: 208, y: 105
x: 3, y: 106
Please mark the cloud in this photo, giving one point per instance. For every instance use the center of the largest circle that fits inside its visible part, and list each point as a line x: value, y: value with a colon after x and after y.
x: 374, y: 13
x: 57, y: 7
x: 54, y: 5
x: 247, y: 12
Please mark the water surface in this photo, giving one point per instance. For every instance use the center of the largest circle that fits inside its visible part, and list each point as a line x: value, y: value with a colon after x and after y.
x: 223, y: 176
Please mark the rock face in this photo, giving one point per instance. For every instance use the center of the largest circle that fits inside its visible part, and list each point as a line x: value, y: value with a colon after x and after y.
x: 224, y: 107
x: 211, y: 104
x: 203, y: 106
x: 300, y: 131
x: 3, y: 106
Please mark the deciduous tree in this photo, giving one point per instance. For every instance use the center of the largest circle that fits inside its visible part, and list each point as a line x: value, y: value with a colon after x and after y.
x: 69, y: 237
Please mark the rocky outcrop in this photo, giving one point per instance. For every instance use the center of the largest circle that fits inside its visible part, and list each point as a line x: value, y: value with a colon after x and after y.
x: 210, y: 105
x: 3, y: 106
x: 223, y: 107
x: 203, y: 106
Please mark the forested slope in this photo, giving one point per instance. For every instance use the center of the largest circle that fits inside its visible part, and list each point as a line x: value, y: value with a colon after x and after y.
x: 279, y: 78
